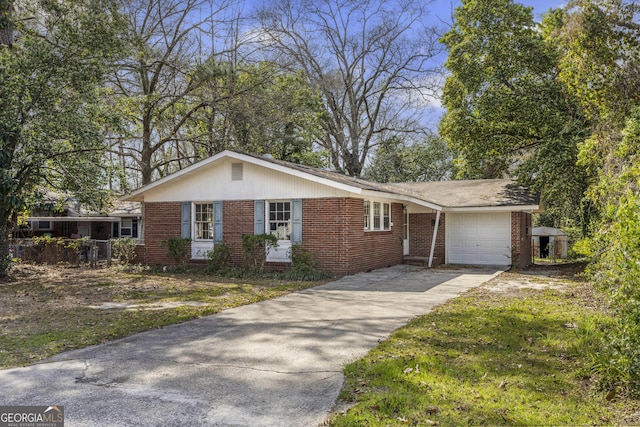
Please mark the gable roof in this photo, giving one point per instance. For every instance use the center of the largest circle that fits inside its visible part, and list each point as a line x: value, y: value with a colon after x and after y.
x: 473, y: 193
x: 53, y: 200
x: 434, y: 195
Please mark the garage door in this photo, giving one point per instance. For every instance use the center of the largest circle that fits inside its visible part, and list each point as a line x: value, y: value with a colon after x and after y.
x: 478, y: 238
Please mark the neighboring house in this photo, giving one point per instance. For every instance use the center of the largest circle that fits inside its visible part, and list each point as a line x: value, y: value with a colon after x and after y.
x: 349, y: 225
x: 61, y: 216
x: 549, y: 242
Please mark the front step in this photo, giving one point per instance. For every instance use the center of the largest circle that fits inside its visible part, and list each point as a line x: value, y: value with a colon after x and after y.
x: 420, y: 261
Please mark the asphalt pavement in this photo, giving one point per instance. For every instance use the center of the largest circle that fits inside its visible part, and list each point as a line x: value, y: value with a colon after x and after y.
x: 273, y: 363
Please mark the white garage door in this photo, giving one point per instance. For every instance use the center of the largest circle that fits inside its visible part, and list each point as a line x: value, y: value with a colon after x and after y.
x: 478, y: 238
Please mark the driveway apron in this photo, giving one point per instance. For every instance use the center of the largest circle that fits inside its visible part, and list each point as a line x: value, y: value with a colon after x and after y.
x: 273, y: 363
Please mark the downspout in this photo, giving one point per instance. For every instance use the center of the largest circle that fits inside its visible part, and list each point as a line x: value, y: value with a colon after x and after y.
x: 435, y: 235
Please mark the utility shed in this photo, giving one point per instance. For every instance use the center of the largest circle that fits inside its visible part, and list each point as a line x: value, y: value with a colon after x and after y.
x: 549, y: 242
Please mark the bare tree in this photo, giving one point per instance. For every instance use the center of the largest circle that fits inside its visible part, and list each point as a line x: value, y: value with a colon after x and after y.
x: 369, y: 58
x: 155, y: 83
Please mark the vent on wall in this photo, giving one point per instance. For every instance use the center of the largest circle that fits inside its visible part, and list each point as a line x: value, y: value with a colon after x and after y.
x: 236, y: 171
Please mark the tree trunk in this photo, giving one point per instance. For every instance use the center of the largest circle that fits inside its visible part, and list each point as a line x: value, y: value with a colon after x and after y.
x: 5, y: 261
x: 145, y: 157
x: 6, y: 27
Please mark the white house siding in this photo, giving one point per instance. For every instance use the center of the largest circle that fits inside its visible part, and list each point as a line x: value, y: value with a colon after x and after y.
x: 215, y: 183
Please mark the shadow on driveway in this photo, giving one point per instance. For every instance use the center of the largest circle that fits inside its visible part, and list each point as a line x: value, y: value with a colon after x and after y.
x: 273, y: 363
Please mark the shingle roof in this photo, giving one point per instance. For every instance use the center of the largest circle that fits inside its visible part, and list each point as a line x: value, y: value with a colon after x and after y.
x: 449, y: 194
x: 444, y: 194
x: 472, y: 193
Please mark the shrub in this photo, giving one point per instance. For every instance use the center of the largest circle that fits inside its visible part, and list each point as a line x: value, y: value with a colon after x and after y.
x: 255, y: 247
x: 219, y: 259
x: 617, y: 270
x: 124, y: 249
x: 77, y: 246
x: 178, y: 248
x: 303, y: 266
x: 6, y: 264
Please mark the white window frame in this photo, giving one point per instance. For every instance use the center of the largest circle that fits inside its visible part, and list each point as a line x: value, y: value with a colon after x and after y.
x: 281, y: 253
x: 367, y: 215
x: 122, y: 227
x: 277, y: 221
x: 379, y: 216
x: 196, y: 222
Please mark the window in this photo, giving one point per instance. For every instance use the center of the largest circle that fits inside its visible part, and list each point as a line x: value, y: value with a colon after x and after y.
x: 128, y: 228
x: 367, y: 215
x: 44, y: 225
x: 405, y: 213
x: 377, y: 218
x: 376, y: 215
x: 125, y: 228
x: 280, y: 220
x: 386, y: 216
x: 204, y: 221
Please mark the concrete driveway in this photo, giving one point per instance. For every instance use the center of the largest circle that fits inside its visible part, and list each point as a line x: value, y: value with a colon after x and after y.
x: 274, y: 363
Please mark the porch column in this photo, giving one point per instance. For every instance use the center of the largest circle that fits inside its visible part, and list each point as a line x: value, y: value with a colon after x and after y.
x: 435, y: 236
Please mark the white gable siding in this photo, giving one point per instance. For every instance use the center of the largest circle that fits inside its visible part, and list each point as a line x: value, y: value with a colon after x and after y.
x: 215, y: 183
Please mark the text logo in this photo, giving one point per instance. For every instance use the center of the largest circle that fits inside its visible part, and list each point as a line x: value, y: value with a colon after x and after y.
x: 31, y: 416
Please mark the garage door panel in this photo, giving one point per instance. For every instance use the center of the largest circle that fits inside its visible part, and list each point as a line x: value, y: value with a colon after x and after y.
x: 479, y: 238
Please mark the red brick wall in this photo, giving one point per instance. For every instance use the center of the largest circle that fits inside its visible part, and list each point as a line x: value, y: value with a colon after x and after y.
x: 161, y: 221
x: 141, y: 252
x: 520, y: 239
x: 371, y: 249
x: 421, y: 227
x: 333, y: 231
x: 376, y: 249
x: 323, y: 224
x: 237, y: 219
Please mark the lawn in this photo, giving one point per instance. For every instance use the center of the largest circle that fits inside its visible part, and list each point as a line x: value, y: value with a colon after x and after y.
x: 499, y: 355
x: 48, y: 310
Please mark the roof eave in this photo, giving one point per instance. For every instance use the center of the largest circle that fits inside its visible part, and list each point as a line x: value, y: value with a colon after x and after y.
x: 73, y: 218
x: 402, y: 197
x: 501, y: 208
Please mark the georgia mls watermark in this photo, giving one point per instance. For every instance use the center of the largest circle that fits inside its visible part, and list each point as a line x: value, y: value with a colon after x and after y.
x: 31, y: 416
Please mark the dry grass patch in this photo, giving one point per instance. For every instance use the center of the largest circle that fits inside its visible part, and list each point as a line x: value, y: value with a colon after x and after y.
x: 46, y: 310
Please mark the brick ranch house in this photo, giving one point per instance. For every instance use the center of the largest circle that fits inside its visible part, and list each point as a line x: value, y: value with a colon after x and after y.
x: 349, y: 225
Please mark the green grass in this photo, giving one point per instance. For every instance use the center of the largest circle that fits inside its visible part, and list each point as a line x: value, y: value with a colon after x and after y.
x: 43, y: 314
x: 484, y: 359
